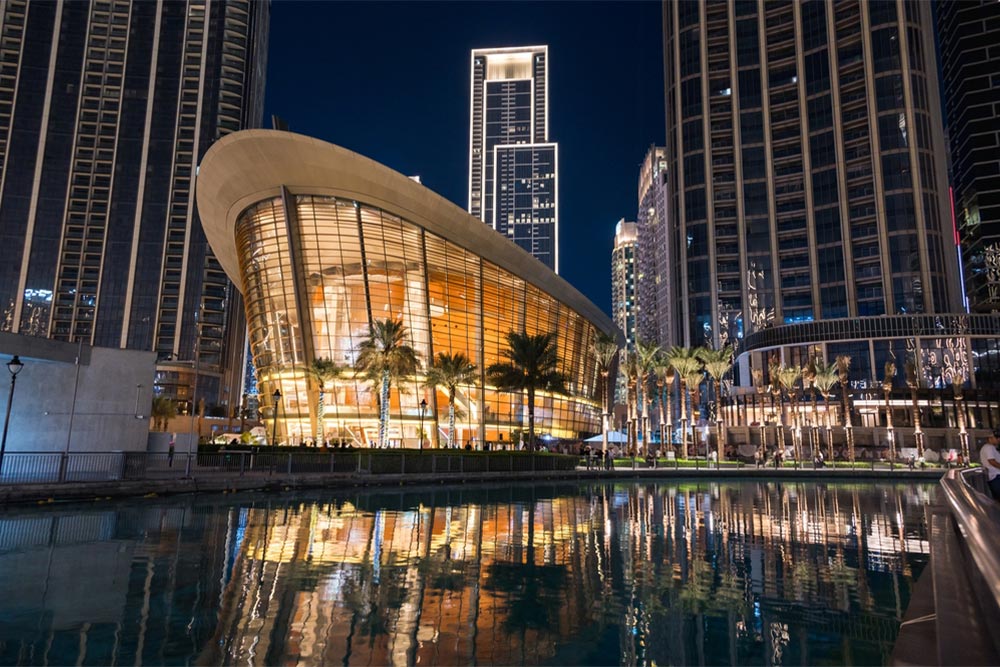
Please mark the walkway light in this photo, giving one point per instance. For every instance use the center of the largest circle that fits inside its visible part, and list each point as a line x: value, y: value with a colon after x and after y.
x: 14, y: 366
x: 277, y: 403
x: 420, y: 434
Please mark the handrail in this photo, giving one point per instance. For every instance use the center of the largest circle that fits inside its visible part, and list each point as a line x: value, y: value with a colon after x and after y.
x: 978, y: 519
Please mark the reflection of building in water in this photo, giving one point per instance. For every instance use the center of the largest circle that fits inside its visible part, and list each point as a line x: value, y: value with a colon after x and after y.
x: 546, y: 580
x: 96, y: 585
x: 695, y: 572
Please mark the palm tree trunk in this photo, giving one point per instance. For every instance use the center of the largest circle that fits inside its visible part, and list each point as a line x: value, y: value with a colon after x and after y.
x: 531, y: 419
x: 719, y: 444
x: 659, y: 404
x: 670, y: 416
x: 383, y: 417
x: 684, y: 431
x: 451, y: 419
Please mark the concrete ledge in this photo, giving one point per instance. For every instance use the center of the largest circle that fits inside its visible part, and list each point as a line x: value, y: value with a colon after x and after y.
x: 217, y: 483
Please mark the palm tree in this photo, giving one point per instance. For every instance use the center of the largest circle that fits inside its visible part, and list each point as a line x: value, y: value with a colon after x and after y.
x: 718, y: 363
x: 645, y: 360
x: 163, y: 410
x: 684, y: 360
x: 385, y: 356
x: 824, y: 377
x: 665, y: 375
x: 787, y: 377
x: 632, y: 376
x: 448, y: 371
x: 323, y: 371
x: 843, y: 363
x: 604, y: 349
x: 531, y: 365
x: 889, y: 374
x: 692, y: 382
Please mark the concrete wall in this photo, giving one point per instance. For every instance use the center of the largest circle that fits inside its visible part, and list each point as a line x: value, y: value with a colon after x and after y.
x: 114, y: 393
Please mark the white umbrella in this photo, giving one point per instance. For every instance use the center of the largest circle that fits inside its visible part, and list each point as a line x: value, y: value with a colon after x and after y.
x: 613, y: 436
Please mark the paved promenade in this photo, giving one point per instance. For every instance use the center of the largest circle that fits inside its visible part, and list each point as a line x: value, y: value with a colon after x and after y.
x: 218, y: 482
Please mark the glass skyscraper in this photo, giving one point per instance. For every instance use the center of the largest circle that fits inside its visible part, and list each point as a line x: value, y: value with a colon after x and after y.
x: 625, y: 294
x: 513, y: 167
x: 106, y: 107
x: 969, y: 33
x: 806, y: 161
x: 653, y: 275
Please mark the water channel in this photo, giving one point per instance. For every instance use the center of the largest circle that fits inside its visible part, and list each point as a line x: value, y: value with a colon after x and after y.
x: 671, y: 572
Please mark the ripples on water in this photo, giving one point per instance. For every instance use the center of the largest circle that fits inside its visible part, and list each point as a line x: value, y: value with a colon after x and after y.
x: 636, y: 573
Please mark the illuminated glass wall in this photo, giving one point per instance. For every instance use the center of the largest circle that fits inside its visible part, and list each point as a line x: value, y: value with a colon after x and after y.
x: 317, y: 270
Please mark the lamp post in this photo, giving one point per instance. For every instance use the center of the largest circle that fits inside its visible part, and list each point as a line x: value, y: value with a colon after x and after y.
x: 14, y: 366
x: 420, y: 433
x: 277, y: 403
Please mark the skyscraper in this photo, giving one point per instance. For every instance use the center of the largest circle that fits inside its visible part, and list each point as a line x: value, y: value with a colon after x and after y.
x: 969, y: 32
x: 513, y: 167
x: 624, y: 293
x: 106, y: 108
x: 805, y: 155
x: 653, y: 275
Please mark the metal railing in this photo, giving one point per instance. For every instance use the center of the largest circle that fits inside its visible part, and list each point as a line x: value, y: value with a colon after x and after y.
x: 20, y: 468
x: 978, y: 517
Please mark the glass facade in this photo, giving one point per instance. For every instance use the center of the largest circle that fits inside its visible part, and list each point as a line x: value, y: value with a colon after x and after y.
x: 106, y: 106
x: 805, y: 181
x: 317, y: 270
x: 625, y: 294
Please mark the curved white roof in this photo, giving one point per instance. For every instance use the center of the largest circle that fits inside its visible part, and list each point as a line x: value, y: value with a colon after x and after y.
x: 246, y: 167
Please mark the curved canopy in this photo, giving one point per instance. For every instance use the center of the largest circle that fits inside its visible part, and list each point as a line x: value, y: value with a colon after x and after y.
x: 252, y: 165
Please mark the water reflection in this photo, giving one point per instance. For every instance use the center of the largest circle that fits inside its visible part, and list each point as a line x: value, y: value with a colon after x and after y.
x: 683, y: 573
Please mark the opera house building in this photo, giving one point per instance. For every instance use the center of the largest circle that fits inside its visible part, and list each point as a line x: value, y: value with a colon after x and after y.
x: 322, y: 242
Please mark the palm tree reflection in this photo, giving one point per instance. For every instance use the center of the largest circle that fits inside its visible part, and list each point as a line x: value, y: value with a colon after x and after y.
x: 555, y: 574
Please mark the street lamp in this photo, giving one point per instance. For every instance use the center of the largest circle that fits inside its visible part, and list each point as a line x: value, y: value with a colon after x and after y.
x: 277, y: 403
x: 420, y: 433
x: 14, y: 366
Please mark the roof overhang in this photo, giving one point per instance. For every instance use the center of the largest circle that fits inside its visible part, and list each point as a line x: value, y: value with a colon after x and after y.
x: 246, y: 167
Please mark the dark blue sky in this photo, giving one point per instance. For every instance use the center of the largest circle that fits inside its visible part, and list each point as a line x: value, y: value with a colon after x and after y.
x: 391, y: 81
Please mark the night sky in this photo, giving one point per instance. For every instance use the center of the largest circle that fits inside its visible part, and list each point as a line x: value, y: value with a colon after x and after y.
x: 391, y: 81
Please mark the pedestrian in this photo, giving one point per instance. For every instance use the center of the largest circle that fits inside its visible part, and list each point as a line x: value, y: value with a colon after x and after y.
x: 989, y: 456
x: 170, y: 451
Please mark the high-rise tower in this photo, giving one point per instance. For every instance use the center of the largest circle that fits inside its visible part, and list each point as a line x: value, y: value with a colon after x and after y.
x: 969, y: 32
x: 106, y: 108
x: 653, y: 275
x: 513, y: 167
x: 805, y: 154
x: 624, y: 293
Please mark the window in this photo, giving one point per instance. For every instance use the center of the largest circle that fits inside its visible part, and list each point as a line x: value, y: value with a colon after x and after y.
x: 751, y: 127
x: 817, y: 72
x: 750, y: 88
x: 820, y: 113
x: 885, y: 48
x: 824, y: 187
x: 822, y: 150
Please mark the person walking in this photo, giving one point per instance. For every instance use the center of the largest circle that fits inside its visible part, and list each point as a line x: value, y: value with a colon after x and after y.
x: 989, y: 456
x: 170, y: 451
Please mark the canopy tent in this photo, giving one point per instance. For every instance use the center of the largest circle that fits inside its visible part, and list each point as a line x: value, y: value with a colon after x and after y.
x: 613, y: 437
